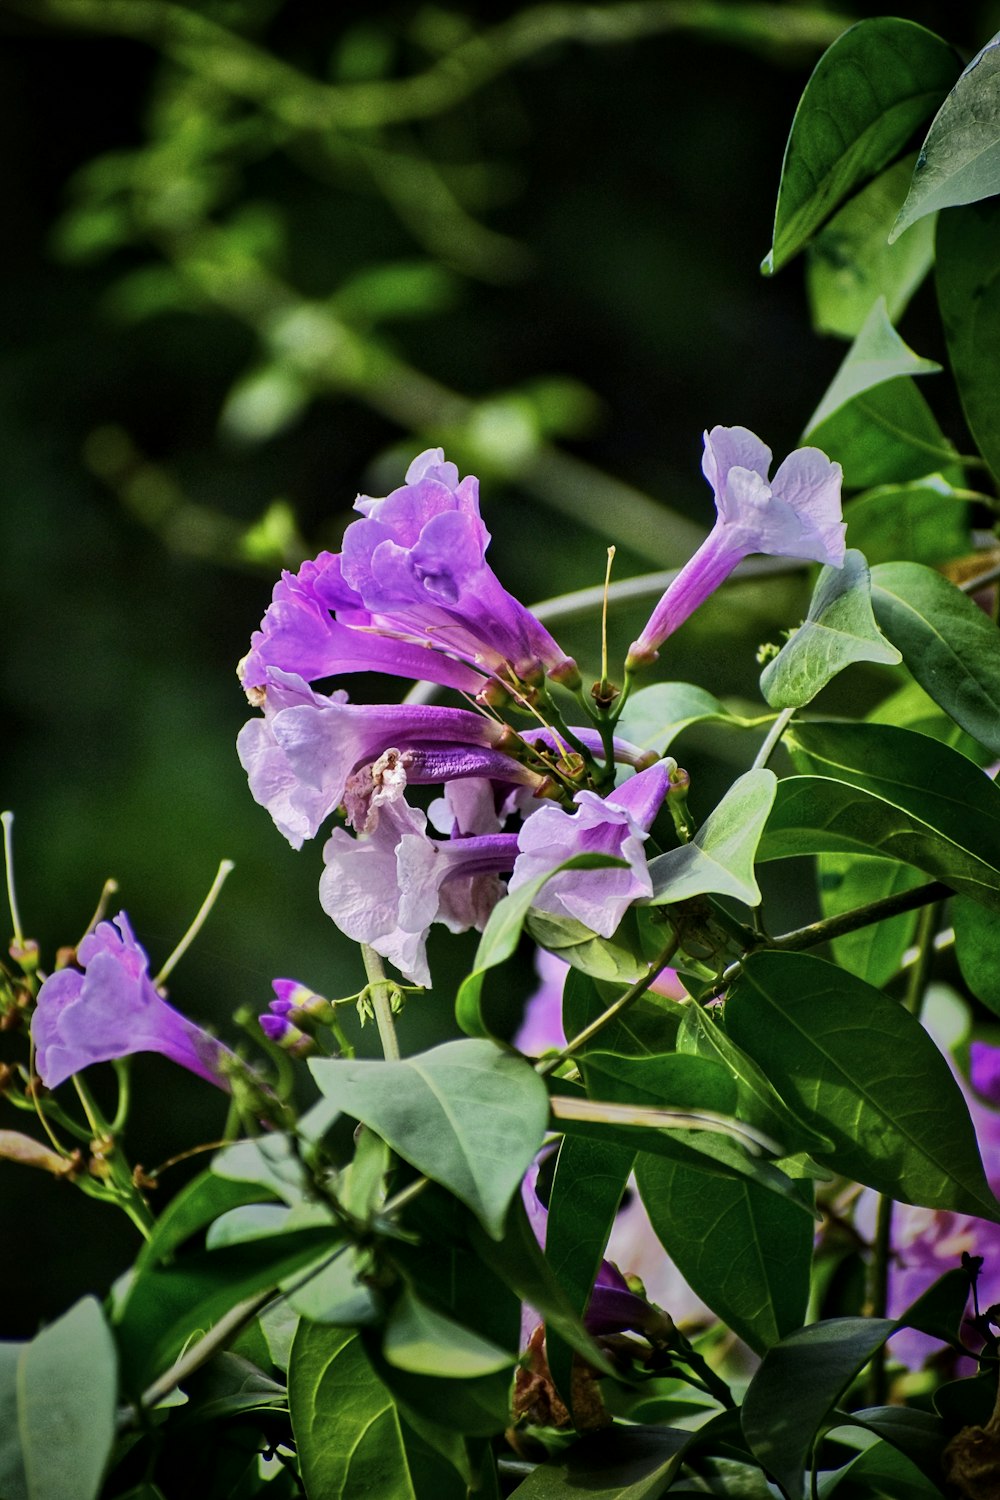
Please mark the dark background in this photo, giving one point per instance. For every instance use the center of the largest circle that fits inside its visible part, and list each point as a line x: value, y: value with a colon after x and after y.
x: 574, y: 246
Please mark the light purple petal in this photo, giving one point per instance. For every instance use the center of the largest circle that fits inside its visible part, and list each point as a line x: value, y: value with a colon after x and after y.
x: 112, y: 1010
x: 733, y: 448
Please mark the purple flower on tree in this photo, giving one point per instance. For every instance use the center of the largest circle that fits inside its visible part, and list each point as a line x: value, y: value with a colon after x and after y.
x: 616, y: 825
x: 386, y: 887
x: 795, y: 514
x: 300, y: 757
x: 113, y: 1009
x: 417, y: 563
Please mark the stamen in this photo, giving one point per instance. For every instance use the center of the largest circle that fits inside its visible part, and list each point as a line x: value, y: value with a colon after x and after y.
x: 225, y: 867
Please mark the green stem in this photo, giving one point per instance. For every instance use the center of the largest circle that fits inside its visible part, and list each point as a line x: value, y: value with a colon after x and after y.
x: 379, y: 988
x: 543, y: 1069
x: 225, y: 867
x: 774, y: 734
x: 127, y: 1195
x: 7, y: 819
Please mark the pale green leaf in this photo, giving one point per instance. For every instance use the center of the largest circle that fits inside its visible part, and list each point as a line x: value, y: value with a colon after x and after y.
x: 720, y: 858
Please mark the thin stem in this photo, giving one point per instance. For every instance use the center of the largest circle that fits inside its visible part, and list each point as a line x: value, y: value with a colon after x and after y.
x: 828, y: 928
x: 109, y: 889
x: 7, y: 819
x: 543, y: 1069
x: 379, y: 989
x: 120, y: 1181
x: 774, y: 734
x: 221, y: 873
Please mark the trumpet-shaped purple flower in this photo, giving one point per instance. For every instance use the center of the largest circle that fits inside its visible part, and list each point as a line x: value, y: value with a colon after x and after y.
x: 616, y: 825
x: 416, y: 562
x: 385, y: 888
x: 112, y: 1009
x: 797, y: 514
x: 301, y: 755
x: 299, y: 634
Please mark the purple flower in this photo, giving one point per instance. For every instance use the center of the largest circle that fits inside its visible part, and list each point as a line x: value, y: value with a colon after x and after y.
x: 417, y: 564
x: 386, y: 887
x: 299, y: 758
x: 111, y: 1010
x: 617, y: 825
x: 797, y: 514
x: 299, y: 634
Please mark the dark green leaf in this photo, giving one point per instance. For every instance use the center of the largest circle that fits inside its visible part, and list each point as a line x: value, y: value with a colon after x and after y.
x: 939, y: 1310
x: 959, y: 161
x: 587, y: 1189
x: 921, y: 802
x: 862, y: 1069
x: 349, y: 1434
x: 799, y: 1381
x: 839, y: 630
x: 978, y: 950
x: 620, y: 1463
x: 849, y: 881
x: 648, y: 1025
x: 654, y: 716
x: 67, y: 1387
x: 851, y: 264
x: 745, y: 1251
x: 919, y: 1434
x: 883, y: 1470
x: 868, y: 93
x: 757, y: 1101
x: 923, y: 521
x: 267, y: 1163
x: 165, y: 1308
x: 888, y: 435
x: 501, y: 936
x: 422, y: 1341
x: 968, y: 288
x: 334, y: 1292
x: 197, y: 1205
x: 948, y: 643
x: 720, y: 858
x: 472, y: 1407
x: 466, y: 1114
x: 877, y: 355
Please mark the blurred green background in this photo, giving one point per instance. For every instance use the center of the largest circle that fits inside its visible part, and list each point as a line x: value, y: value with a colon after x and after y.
x: 260, y: 253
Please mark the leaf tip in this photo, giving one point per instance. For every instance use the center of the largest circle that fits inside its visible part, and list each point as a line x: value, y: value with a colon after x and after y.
x: 767, y: 266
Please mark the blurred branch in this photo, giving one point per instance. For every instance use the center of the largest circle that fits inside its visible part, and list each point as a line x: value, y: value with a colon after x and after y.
x: 237, y: 66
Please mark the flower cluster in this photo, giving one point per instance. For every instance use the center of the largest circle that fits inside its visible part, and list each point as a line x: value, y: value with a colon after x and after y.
x: 412, y: 595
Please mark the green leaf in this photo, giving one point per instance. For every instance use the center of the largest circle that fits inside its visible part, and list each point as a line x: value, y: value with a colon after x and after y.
x: 334, y: 1292
x: 654, y: 716
x: 164, y: 1309
x: 466, y: 1114
x: 720, y: 857
x: 501, y: 936
x: 839, y: 630
x: 919, y: 1434
x: 619, y: 1463
x: 976, y: 950
x: 478, y: 1408
x: 590, y: 1179
x: 877, y: 355
x: 959, y: 161
x: 799, y: 1381
x: 883, y: 1470
x: 850, y: 881
x: 267, y: 1163
x: 197, y: 1205
x: 615, y: 959
x: 924, y: 521
x: 860, y: 1068
x: 745, y: 1251
x: 867, y: 94
x: 851, y: 265
x: 951, y: 647
x: 968, y: 288
x: 349, y: 1434
x: 422, y: 1341
x: 648, y: 1025
x: 938, y: 810
x: 887, y: 435
x: 757, y: 1101
x: 67, y: 1387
